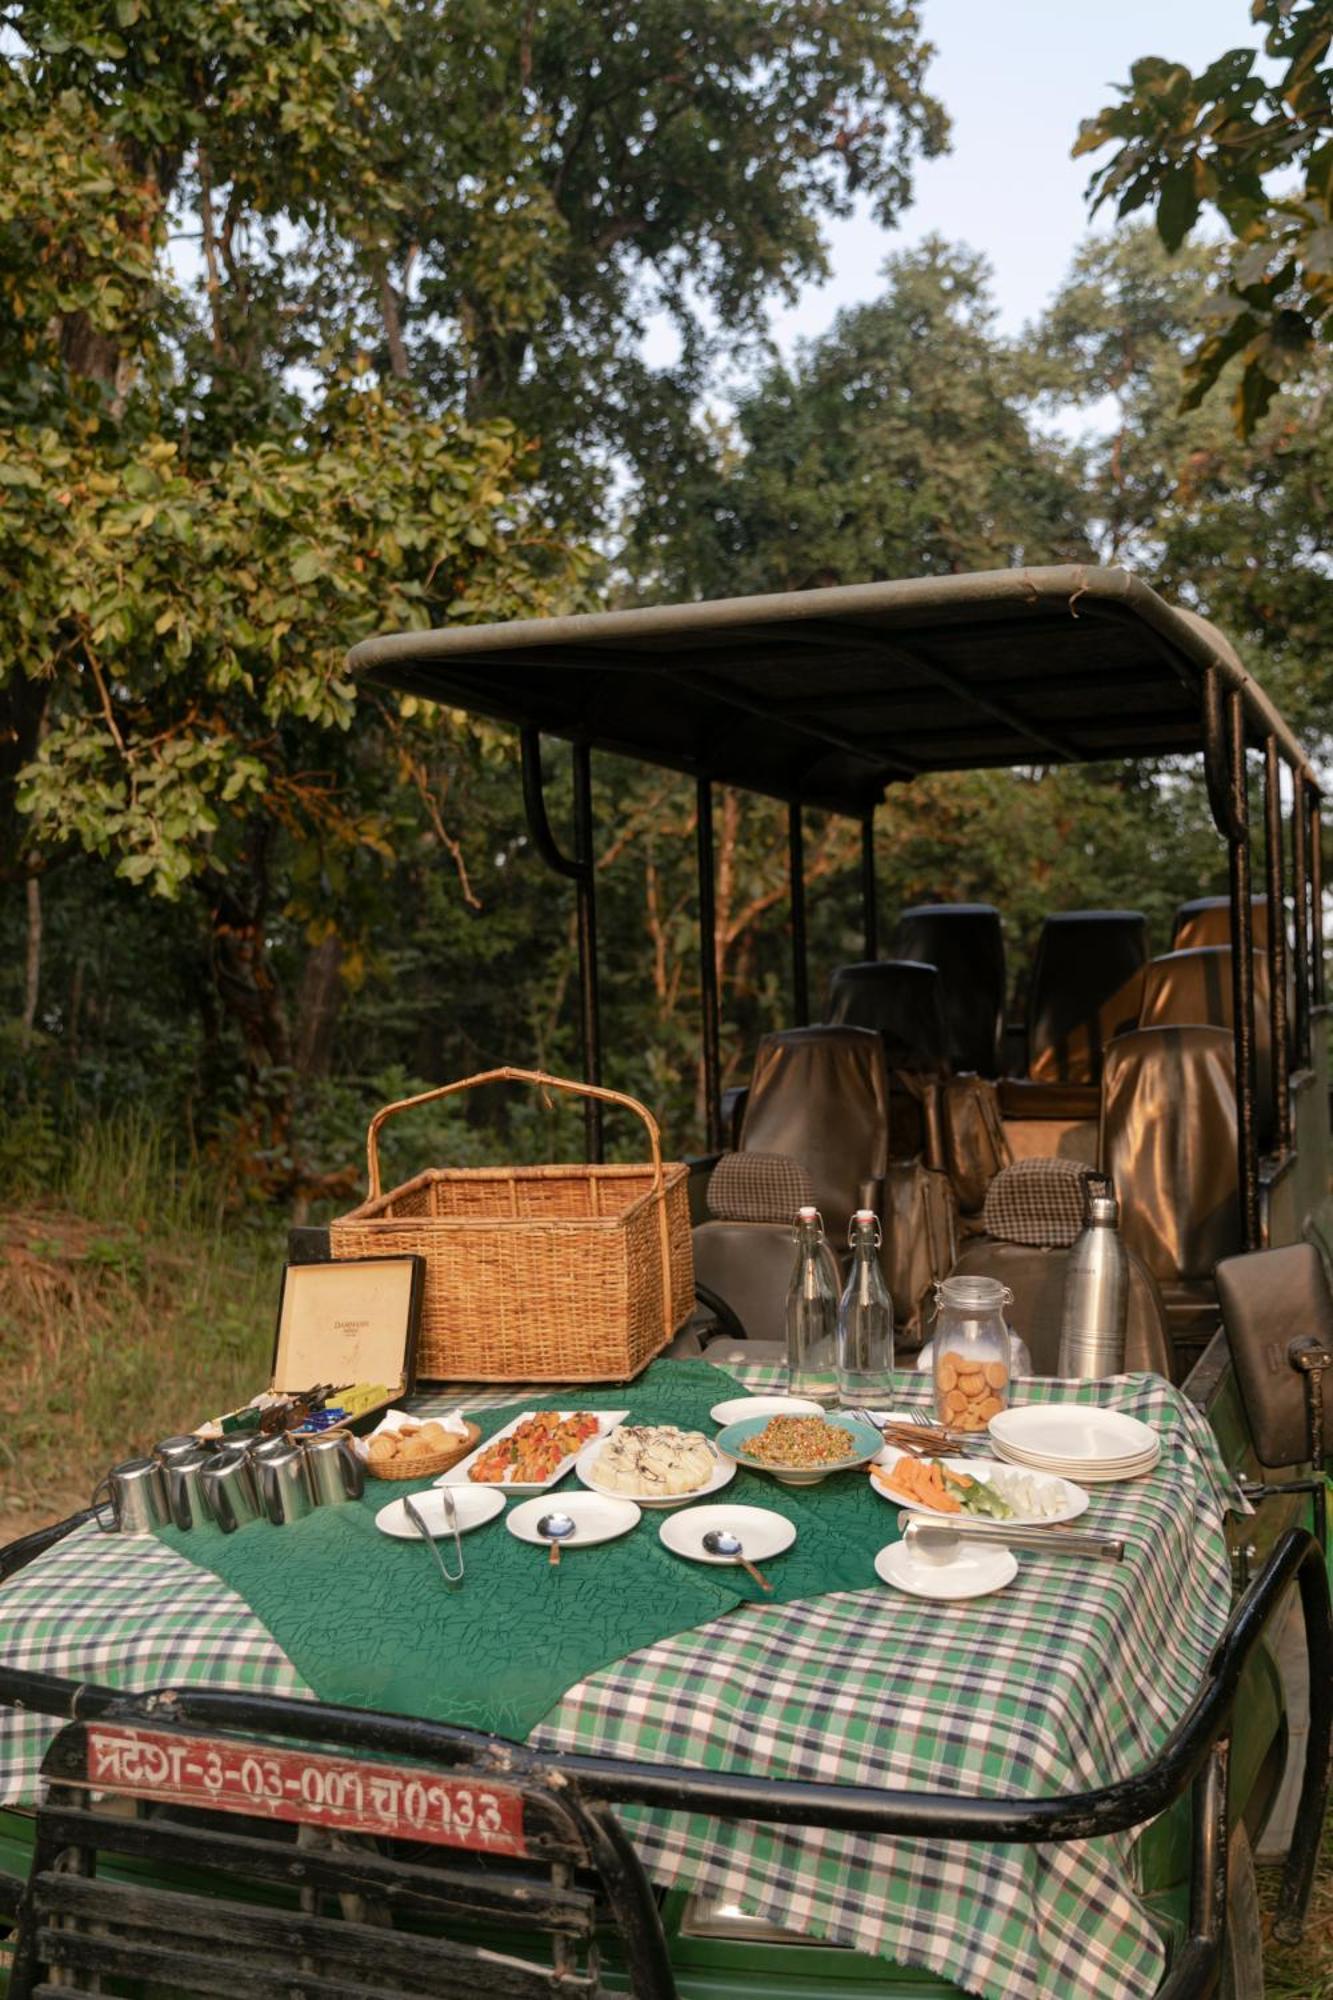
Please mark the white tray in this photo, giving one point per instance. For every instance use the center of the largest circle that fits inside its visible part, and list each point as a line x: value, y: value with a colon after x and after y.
x: 457, y: 1475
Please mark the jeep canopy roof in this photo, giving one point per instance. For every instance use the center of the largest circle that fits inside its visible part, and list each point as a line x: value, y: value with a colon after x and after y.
x: 827, y: 696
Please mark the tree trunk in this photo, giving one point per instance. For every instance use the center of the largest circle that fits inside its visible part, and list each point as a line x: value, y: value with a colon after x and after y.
x: 318, y: 1006
x: 32, y: 967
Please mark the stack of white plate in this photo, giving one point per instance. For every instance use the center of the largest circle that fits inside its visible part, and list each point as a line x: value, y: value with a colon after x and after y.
x: 1077, y: 1441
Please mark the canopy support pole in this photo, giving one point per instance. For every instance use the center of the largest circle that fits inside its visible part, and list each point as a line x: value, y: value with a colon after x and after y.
x: 708, y: 995
x: 1316, y: 897
x: 1242, y: 970
x: 581, y: 871
x: 800, y: 964
x: 1300, y: 871
x: 1277, y: 945
x: 869, y: 898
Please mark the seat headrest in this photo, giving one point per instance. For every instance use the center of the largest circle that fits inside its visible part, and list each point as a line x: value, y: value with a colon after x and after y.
x: 966, y: 942
x: 821, y: 1096
x: 758, y: 1187
x: 901, y: 998
x: 1207, y: 920
x: 1169, y: 1144
x: 1039, y: 1203
x: 1084, y: 990
x: 1195, y: 986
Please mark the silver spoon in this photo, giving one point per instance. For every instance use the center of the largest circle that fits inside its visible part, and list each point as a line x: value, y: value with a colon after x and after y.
x: 556, y: 1528
x: 932, y: 1544
x: 721, y: 1542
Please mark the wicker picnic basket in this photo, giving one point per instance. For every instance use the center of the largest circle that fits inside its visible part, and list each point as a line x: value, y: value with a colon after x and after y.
x: 555, y: 1274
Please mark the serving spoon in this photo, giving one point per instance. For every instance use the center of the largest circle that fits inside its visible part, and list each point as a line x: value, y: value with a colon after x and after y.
x: 721, y: 1542
x: 556, y: 1528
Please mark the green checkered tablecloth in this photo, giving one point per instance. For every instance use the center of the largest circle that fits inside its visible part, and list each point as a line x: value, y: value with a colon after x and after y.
x: 1069, y: 1679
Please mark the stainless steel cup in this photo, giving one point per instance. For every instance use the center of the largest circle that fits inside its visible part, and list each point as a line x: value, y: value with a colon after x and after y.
x: 135, y: 1493
x: 171, y: 1449
x: 275, y: 1445
x: 336, y: 1473
x: 229, y: 1489
x: 284, y: 1485
x: 185, y: 1488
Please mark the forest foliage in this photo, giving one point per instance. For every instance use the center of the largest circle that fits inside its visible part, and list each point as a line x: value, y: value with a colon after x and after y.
x: 320, y: 317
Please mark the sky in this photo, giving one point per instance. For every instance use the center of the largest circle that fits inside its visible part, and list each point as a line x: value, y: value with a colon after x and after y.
x: 1016, y: 79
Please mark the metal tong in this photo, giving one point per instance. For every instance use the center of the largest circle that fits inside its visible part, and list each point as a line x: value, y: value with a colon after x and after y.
x: 413, y: 1514
x: 1048, y: 1541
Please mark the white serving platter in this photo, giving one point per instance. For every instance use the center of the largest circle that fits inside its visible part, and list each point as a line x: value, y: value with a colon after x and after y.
x: 975, y: 1572
x: 476, y: 1505
x: 1074, y: 1434
x: 724, y: 1471
x: 457, y: 1475
x: 595, y: 1519
x: 1074, y: 1500
x: 762, y: 1533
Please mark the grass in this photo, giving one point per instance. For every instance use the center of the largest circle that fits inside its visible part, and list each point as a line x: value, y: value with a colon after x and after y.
x: 127, y: 1312
x: 1303, y: 1971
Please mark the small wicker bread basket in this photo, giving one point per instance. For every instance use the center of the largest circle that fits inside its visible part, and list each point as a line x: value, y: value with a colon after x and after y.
x: 425, y: 1465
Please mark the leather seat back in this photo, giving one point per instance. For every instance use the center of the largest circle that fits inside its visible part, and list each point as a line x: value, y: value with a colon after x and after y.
x: 1085, y: 990
x: 1195, y: 986
x: 900, y: 998
x: 1207, y: 920
x: 966, y: 943
x: 1168, y: 1141
x: 1269, y: 1299
x: 821, y: 1095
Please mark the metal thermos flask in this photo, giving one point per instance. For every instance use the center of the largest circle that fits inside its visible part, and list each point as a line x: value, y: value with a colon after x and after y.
x: 1096, y: 1301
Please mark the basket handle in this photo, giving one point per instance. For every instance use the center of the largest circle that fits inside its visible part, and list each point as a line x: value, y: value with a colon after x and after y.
x: 508, y: 1075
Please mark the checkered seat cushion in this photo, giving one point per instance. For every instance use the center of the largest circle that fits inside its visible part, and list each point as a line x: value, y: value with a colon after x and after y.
x: 1039, y: 1203
x: 758, y: 1187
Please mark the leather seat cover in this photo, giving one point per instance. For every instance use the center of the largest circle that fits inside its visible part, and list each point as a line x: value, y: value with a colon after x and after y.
x: 1037, y: 1280
x: 899, y: 997
x: 749, y: 1264
x: 1195, y: 986
x: 1169, y: 1144
x: 1086, y: 981
x: 1207, y: 920
x: 1269, y: 1299
x: 821, y: 1095
x: 966, y: 943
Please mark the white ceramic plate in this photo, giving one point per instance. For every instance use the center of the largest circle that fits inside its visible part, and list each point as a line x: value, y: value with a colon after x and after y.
x: 762, y: 1533
x: 1074, y: 1500
x: 740, y: 1407
x: 457, y: 1475
x: 1084, y: 1475
x: 974, y: 1572
x: 1073, y: 1433
x: 595, y: 1519
x: 475, y: 1505
x: 724, y: 1471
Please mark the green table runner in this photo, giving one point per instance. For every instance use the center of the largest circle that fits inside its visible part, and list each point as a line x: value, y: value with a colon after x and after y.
x: 365, y: 1619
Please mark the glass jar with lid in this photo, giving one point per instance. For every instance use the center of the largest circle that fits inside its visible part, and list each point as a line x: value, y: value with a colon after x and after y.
x: 972, y: 1354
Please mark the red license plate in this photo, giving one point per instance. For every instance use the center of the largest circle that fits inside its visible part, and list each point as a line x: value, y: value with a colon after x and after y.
x: 393, y: 1800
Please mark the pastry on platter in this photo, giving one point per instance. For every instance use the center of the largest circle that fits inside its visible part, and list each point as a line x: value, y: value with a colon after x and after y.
x: 657, y: 1461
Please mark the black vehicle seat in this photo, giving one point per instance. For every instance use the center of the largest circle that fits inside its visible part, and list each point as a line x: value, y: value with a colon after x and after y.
x: 821, y: 1096
x: 744, y: 1252
x: 1086, y: 986
x: 1168, y: 1141
x: 1033, y: 1212
x: 900, y: 999
x: 1207, y: 920
x: 1195, y: 985
x: 965, y: 941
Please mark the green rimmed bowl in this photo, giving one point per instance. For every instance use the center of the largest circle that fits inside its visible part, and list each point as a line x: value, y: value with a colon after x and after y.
x: 863, y: 1441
